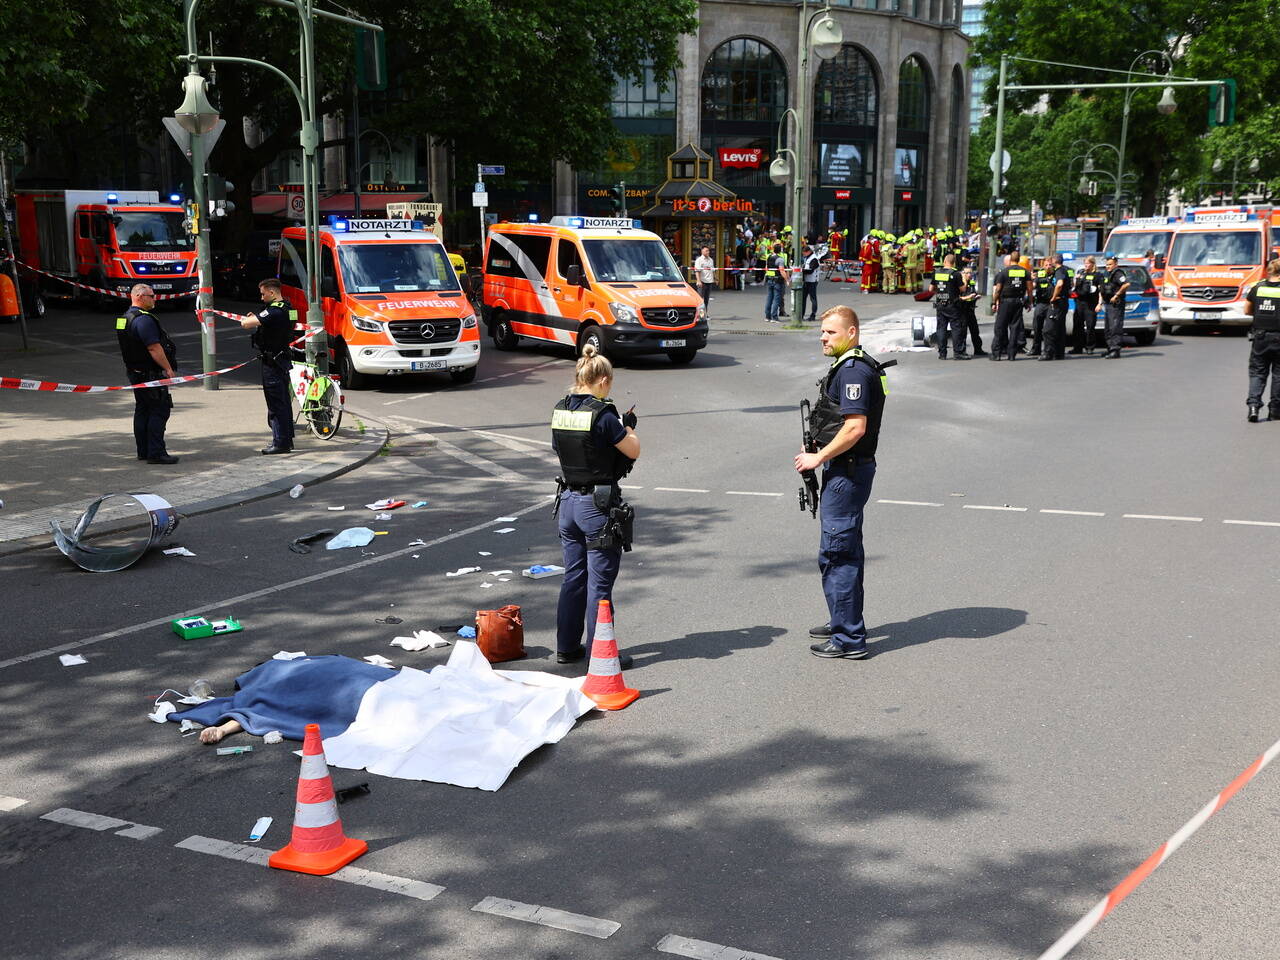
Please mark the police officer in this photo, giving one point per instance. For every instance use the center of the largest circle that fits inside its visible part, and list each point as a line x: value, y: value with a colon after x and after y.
x: 1263, y: 304
x: 1114, y: 284
x: 812, y: 266
x: 1055, y: 330
x: 1088, y: 296
x: 148, y: 355
x: 846, y: 427
x: 596, y: 447
x: 946, y: 300
x: 1009, y: 296
x: 969, y: 310
x: 773, y: 283
x: 1040, y: 309
x: 272, y: 330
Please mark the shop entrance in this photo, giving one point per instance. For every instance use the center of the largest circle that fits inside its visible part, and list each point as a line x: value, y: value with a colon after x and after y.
x: 839, y: 216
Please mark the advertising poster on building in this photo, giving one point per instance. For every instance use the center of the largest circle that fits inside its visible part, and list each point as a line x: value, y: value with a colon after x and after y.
x: 840, y: 165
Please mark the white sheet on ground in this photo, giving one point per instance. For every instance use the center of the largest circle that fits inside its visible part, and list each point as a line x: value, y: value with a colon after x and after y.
x: 462, y: 723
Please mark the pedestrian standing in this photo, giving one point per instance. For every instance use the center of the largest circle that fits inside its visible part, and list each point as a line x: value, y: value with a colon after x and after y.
x: 1009, y: 297
x: 272, y: 330
x: 597, y: 447
x: 1055, y: 331
x: 148, y: 355
x: 773, y: 284
x: 705, y: 268
x: 1040, y: 306
x: 945, y: 282
x: 1114, y: 285
x: 1263, y: 304
x: 846, y: 426
x: 809, y: 274
x: 1088, y: 294
x: 968, y: 306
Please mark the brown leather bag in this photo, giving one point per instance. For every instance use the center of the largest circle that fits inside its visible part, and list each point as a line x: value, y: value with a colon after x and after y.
x: 500, y: 633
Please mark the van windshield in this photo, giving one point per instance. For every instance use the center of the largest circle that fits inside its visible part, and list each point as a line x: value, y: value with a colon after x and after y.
x: 1135, y: 245
x: 631, y: 261
x: 396, y: 268
x: 1217, y: 248
x: 160, y: 232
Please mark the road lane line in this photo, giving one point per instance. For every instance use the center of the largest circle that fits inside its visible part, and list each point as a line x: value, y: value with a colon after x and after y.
x: 911, y: 503
x: 11, y: 803
x: 518, y: 444
x: 979, y: 506
x: 96, y: 821
x: 458, y: 453
x: 483, y: 526
x: 750, y: 493
x: 416, y: 396
x: 1254, y: 523
x: 631, y: 486
x: 681, y: 490
x: 522, y: 370
x: 1156, y: 516
x: 548, y: 917
x: 230, y: 851
x: 702, y: 950
x: 1075, y: 513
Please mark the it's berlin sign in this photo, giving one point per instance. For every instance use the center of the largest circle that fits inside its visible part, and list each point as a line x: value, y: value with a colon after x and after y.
x: 711, y: 205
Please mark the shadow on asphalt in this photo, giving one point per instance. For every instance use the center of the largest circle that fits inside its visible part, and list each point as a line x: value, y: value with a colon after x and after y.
x: 976, y: 623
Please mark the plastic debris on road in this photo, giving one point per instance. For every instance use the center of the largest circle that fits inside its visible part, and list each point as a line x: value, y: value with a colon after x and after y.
x: 163, y: 709
x: 486, y: 585
x: 417, y: 543
x: 112, y: 559
x: 289, y: 655
x: 178, y: 552
x: 351, y: 537
x: 335, y: 508
x: 386, y: 503
x: 419, y: 504
x: 462, y: 571
x: 303, y: 544
x: 383, y: 516
x: 71, y: 659
x: 296, y: 491
x: 506, y: 519
x: 378, y: 660
x: 498, y: 573
x: 540, y: 570
x: 233, y: 751
x: 272, y: 736
x: 483, y: 553
x: 188, y: 727
x: 420, y: 640
x: 260, y: 828
x: 467, y: 633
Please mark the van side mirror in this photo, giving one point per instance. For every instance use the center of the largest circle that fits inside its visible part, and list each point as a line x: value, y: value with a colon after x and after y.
x: 1159, y: 261
x: 573, y: 273
x: 329, y: 287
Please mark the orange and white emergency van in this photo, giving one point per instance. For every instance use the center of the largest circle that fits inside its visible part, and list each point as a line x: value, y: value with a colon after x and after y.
x: 1131, y: 239
x: 598, y: 280
x: 1218, y: 253
x: 392, y: 302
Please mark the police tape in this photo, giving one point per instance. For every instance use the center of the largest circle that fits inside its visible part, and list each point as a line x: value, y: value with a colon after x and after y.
x: 847, y: 265
x: 1064, y: 944
x: 103, y: 290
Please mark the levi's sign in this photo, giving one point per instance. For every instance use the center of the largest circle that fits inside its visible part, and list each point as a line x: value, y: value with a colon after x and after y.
x: 748, y: 157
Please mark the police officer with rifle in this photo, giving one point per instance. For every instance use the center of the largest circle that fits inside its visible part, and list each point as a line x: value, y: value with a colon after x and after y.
x: 148, y: 355
x: 597, y: 447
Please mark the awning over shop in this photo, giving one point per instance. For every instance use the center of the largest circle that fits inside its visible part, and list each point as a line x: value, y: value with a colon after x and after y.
x: 269, y: 204
x: 281, y: 204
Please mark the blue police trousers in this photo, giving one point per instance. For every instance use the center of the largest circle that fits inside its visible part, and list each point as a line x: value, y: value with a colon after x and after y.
x: 151, y: 406
x: 588, y: 574
x: 845, y: 491
x: 276, y: 389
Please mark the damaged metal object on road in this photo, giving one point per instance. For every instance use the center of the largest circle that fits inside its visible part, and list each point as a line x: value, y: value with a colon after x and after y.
x: 163, y: 519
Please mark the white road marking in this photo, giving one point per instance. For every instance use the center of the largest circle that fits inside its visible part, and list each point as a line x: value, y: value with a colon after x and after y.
x: 11, y: 803
x: 630, y: 486
x: 702, y: 950
x: 416, y: 396
x: 516, y: 373
x: 979, y: 506
x: 682, y: 489
x: 911, y: 503
x: 221, y: 848
x: 1254, y: 523
x: 96, y: 821
x: 470, y: 459
x: 548, y: 917
x: 750, y: 493
x: 486, y: 525
x: 1156, y: 516
x: 1075, y: 513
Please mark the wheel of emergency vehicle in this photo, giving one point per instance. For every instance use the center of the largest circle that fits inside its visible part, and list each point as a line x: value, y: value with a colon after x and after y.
x: 463, y: 376
x: 681, y: 357
x: 1145, y: 338
x: 591, y: 335
x: 1166, y: 327
x: 504, y: 338
x: 351, y: 378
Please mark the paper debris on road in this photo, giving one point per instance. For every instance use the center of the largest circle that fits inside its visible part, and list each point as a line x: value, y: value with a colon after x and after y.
x: 421, y: 640
x: 260, y: 829
x: 486, y: 585
x: 383, y: 516
x: 461, y: 571
x: 272, y: 736
x: 540, y: 570
x: 378, y: 660
x: 74, y: 659
x: 417, y: 543
x: 498, y: 573
x: 506, y: 519
x: 178, y: 552
x: 386, y: 503
x: 335, y: 508
x: 287, y: 655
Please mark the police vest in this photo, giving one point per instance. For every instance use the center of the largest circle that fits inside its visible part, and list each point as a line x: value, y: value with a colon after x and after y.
x: 825, y: 419
x: 1016, y: 280
x: 773, y: 262
x: 582, y: 462
x: 1266, y: 306
x: 1086, y: 286
x: 947, y: 282
x: 271, y: 340
x: 1066, y: 287
x: 1113, y: 282
x: 137, y: 358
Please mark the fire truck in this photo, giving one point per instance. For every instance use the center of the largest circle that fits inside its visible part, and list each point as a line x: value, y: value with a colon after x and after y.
x: 105, y: 240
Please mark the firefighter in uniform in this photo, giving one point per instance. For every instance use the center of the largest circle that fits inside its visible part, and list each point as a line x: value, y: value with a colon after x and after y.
x: 597, y: 448
x: 148, y: 355
x: 870, y: 256
x: 1055, y: 329
x: 1088, y: 295
x: 888, y: 268
x: 1040, y: 307
x: 1263, y: 304
x: 1115, y: 283
x: 846, y: 427
x: 946, y: 300
x: 1009, y: 296
x: 272, y: 330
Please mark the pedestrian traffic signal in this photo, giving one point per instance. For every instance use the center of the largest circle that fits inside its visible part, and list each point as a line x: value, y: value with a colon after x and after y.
x: 1222, y: 104
x: 216, y: 190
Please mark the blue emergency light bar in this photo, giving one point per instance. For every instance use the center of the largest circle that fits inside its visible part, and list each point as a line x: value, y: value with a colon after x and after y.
x: 175, y: 198
x: 1221, y: 215
x: 598, y: 223
x: 533, y: 218
x: 113, y: 198
x: 353, y: 225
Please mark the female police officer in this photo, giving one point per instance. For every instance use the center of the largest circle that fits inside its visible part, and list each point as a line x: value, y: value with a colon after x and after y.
x: 596, y: 448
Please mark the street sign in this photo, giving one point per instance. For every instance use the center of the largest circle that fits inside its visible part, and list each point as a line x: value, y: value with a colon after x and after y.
x: 493, y: 170
x: 1004, y: 164
x: 297, y: 204
x: 183, y: 139
x: 479, y: 199
x: 1017, y: 217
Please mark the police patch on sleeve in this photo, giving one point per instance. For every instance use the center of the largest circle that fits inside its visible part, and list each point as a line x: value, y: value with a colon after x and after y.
x: 853, y: 391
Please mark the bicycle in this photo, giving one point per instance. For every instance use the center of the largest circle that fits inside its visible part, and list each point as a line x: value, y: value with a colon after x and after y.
x: 318, y: 398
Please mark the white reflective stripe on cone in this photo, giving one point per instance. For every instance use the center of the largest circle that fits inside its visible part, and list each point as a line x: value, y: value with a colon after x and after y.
x: 313, y: 815
x: 604, y: 666
x: 313, y: 768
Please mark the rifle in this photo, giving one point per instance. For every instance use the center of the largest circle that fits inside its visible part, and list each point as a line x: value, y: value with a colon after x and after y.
x: 809, y: 491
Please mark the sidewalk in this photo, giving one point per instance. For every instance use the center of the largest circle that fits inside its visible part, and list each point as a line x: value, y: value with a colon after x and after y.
x: 60, y: 451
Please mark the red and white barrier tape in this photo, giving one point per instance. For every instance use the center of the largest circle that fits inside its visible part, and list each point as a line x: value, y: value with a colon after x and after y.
x: 1068, y: 940
x: 110, y: 293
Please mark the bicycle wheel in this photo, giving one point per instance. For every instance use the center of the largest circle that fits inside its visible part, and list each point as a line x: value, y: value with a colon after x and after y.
x: 323, y: 409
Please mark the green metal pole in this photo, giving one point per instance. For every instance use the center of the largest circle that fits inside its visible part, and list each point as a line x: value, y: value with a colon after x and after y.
x: 204, y: 262
x: 797, y: 203
x: 997, y: 177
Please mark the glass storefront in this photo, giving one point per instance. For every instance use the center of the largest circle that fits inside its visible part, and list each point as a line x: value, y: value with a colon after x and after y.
x: 910, y: 155
x: 846, y: 116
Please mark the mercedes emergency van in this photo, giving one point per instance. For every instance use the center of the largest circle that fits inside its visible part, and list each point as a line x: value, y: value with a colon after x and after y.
x: 1217, y: 255
x: 392, y: 302
x: 1132, y: 238
x: 589, y: 280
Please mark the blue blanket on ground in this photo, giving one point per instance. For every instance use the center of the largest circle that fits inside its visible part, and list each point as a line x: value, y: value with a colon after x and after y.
x: 286, y: 695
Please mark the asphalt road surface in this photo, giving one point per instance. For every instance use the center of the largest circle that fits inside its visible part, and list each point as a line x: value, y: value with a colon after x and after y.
x: 1073, y: 649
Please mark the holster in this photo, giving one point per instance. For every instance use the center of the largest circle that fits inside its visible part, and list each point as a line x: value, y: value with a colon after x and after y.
x: 619, y: 523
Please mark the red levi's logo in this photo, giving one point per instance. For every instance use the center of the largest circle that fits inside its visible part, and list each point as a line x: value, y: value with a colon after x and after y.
x: 747, y: 157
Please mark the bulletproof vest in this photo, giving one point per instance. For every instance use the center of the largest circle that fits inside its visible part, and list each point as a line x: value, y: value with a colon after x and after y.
x: 1016, y: 281
x: 772, y: 263
x: 825, y: 419
x: 1044, y: 285
x: 583, y: 462
x: 1266, y: 306
x: 1066, y: 286
x: 1086, y: 284
x: 272, y: 340
x: 1112, y: 283
x: 135, y: 353
x: 948, y: 284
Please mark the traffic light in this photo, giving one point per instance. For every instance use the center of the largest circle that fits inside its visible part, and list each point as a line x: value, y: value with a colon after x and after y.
x: 1222, y: 104
x: 618, y: 199
x: 217, y: 188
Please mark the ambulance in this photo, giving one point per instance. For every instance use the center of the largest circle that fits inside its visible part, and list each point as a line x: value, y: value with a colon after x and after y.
x: 1132, y: 238
x: 1217, y: 254
x: 590, y: 280
x: 391, y: 300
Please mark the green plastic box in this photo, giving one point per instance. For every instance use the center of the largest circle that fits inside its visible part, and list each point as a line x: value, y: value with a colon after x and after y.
x: 196, y: 628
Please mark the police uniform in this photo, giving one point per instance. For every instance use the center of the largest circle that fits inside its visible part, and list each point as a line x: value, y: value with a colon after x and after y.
x: 584, y: 433
x: 946, y: 300
x: 1040, y: 309
x: 1055, y: 330
x: 854, y: 385
x: 1087, y: 297
x: 271, y: 339
x: 137, y: 330
x: 1264, y: 354
x: 1014, y: 282
x: 968, y: 309
x: 1113, y: 281
x: 772, y: 285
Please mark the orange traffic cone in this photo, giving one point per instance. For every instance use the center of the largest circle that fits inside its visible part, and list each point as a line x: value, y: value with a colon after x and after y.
x: 318, y: 846
x: 604, y: 682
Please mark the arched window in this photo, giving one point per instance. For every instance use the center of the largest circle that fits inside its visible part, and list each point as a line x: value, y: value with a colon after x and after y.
x: 953, y: 143
x: 845, y: 90
x: 744, y: 79
x: 913, y: 96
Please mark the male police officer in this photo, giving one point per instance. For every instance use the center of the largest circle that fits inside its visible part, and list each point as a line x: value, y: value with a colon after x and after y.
x: 946, y: 300
x: 1055, y: 330
x: 1114, y: 285
x: 148, y: 354
x: 1040, y: 308
x: 1009, y: 297
x: 846, y: 427
x: 1088, y: 295
x: 969, y: 310
x: 272, y: 330
x: 1263, y: 304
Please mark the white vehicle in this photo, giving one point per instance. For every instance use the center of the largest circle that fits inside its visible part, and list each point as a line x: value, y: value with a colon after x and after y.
x: 1216, y: 256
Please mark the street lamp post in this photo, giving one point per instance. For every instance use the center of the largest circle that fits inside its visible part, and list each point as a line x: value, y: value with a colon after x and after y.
x: 360, y: 167
x: 1254, y: 166
x: 1166, y: 106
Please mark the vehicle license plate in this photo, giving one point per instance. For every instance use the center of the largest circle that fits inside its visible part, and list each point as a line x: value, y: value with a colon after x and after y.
x: 671, y: 343
x: 162, y: 286
x: 1203, y: 315
x: 427, y: 365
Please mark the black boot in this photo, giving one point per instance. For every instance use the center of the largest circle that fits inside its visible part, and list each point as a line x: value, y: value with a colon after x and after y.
x: 1254, y: 409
